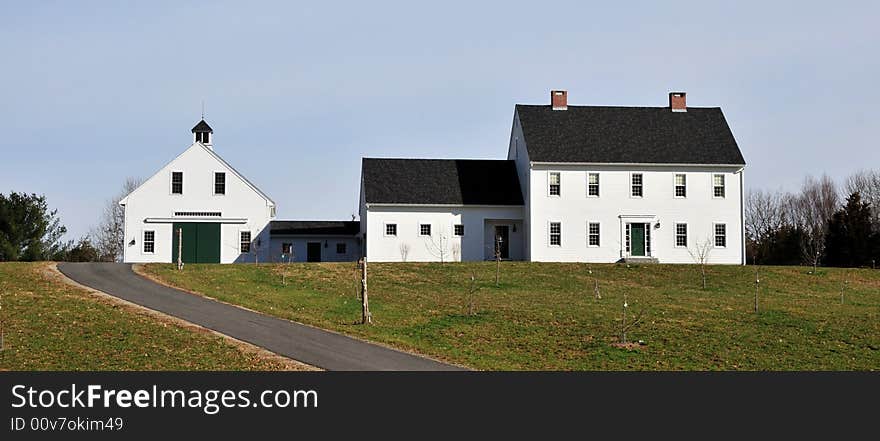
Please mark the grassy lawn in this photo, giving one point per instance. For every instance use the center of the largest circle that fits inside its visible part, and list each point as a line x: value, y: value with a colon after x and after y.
x: 545, y: 316
x: 49, y: 325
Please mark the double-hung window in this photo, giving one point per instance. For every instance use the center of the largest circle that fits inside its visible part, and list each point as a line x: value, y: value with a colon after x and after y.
x: 637, y: 185
x: 219, y: 183
x: 177, y: 182
x: 245, y: 242
x: 680, y: 185
x: 720, y: 235
x: 681, y: 235
x: 555, y: 234
x: 555, y: 188
x: 340, y: 248
x: 593, y: 234
x: 593, y: 184
x: 718, y: 186
x: 149, y: 241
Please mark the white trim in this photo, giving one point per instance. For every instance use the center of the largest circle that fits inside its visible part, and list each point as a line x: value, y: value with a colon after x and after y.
x: 675, y: 186
x: 215, y: 220
x: 714, y: 235
x: 250, y: 242
x: 384, y: 204
x: 598, y: 183
x: 214, y: 183
x: 723, y: 186
x: 214, y: 154
x: 636, y: 164
x: 588, y: 233
x: 549, y: 173
x: 171, y: 182
x: 549, y: 222
x: 687, y: 234
x: 642, y: 185
x: 143, y: 242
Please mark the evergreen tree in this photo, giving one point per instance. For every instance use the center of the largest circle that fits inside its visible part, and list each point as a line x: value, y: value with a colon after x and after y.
x: 28, y: 230
x: 851, y: 239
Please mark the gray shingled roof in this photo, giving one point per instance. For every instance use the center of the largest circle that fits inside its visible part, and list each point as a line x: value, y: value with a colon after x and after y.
x: 440, y: 181
x: 325, y: 228
x: 202, y: 126
x: 628, y: 135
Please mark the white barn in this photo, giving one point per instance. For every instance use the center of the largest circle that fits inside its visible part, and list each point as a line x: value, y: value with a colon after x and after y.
x: 200, y: 206
x: 198, y: 197
x: 592, y: 184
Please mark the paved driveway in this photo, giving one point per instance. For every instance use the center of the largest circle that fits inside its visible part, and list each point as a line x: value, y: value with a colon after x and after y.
x: 310, y: 345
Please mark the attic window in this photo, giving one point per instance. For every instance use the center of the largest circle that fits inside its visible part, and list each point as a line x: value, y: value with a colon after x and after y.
x: 219, y: 183
x: 176, y: 182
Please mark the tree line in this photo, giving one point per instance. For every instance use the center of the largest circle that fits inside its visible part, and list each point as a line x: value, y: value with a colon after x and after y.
x: 31, y: 231
x: 822, y: 223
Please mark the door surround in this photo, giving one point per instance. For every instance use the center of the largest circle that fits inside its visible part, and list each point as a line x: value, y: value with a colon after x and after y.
x: 650, y: 220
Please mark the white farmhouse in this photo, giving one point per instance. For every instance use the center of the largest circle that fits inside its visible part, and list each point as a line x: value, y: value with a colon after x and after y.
x: 592, y: 184
x: 200, y: 205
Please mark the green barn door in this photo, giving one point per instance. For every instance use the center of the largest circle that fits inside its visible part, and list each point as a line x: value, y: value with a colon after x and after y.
x: 208, y: 248
x: 201, y: 242
x: 637, y: 239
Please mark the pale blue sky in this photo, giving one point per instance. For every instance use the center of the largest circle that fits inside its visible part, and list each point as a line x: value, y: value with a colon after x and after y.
x: 93, y: 92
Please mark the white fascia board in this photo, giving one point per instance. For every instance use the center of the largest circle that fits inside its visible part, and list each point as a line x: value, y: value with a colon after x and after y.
x: 216, y: 220
x: 376, y: 204
x: 269, y: 201
x: 634, y: 164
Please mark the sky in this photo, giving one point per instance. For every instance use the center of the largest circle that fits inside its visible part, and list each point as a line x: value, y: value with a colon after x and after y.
x: 297, y: 93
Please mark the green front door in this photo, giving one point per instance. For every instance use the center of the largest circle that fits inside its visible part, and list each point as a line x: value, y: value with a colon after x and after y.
x: 637, y: 239
x: 201, y: 242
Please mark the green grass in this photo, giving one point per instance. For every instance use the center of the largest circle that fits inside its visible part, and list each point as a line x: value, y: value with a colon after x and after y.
x: 545, y: 316
x: 49, y: 325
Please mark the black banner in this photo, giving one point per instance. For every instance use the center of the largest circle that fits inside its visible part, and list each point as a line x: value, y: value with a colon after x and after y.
x: 408, y: 405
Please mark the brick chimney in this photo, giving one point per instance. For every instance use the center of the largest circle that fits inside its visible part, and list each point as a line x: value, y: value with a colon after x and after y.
x: 559, y: 99
x: 677, y: 102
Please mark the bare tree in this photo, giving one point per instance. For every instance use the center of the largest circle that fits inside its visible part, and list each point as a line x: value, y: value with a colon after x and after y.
x: 456, y: 252
x: 404, y: 251
x: 765, y: 214
x: 624, y: 326
x: 498, y: 246
x: 867, y: 184
x: 595, y: 283
x: 109, y: 235
x: 700, y: 253
x: 811, y: 210
x: 438, y: 246
x: 470, y: 299
x: 757, y: 284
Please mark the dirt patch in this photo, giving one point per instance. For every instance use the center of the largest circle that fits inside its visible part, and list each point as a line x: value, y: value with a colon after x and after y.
x: 49, y: 270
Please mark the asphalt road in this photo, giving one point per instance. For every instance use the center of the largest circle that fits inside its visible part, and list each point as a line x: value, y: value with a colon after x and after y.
x: 324, y: 349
